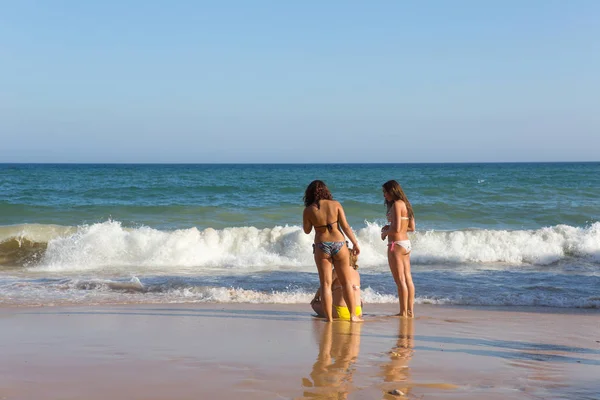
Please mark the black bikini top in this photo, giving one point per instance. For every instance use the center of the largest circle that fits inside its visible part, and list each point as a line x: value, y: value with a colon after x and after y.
x: 328, y: 226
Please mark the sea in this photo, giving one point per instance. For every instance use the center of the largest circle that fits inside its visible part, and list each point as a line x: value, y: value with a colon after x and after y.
x: 488, y: 234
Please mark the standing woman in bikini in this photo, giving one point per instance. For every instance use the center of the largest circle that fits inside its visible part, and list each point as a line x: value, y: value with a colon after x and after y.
x: 401, y: 220
x: 327, y: 217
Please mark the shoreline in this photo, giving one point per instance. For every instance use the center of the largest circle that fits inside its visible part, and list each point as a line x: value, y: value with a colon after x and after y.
x: 382, y: 308
x: 275, y: 351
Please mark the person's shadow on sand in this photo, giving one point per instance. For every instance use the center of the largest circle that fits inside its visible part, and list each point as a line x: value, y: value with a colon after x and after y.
x: 396, y: 373
x: 331, y: 375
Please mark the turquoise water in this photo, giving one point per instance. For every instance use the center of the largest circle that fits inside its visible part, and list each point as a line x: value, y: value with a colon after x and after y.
x: 487, y: 234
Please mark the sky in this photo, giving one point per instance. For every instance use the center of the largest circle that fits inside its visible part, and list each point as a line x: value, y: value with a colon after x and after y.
x: 308, y: 81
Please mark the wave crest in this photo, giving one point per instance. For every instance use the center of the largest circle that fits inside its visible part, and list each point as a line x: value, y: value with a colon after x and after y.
x: 110, y: 246
x: 19, y: 251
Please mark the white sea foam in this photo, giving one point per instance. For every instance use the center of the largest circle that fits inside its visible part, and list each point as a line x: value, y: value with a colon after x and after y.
x: 99, y: 291
x: 538, y: 247
x: 111, y: 247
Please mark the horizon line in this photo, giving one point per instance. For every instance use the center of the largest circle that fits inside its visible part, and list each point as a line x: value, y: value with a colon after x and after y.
x: 300, y: 163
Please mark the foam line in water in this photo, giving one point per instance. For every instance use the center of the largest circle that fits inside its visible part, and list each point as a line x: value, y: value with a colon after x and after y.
x: 103, y: 291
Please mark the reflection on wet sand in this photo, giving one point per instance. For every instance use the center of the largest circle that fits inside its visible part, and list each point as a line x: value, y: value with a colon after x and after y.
x: 331, y: 375
x: 396, y: 373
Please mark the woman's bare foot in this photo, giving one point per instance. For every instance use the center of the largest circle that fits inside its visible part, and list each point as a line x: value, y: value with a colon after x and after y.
x: 410, y: 314
x: 356, y: 319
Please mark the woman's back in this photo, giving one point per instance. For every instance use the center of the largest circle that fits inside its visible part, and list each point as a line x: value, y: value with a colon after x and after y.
x: 399, y: 221
x: 325, y: 220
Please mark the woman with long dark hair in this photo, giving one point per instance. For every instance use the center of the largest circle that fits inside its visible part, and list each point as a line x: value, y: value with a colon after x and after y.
x: 328, y: 219
x: 401, y: 220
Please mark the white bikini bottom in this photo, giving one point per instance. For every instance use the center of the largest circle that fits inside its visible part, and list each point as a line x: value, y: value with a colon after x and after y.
x: 404, y: 243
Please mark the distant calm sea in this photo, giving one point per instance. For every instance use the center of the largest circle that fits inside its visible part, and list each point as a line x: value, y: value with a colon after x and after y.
x: 487, y: 234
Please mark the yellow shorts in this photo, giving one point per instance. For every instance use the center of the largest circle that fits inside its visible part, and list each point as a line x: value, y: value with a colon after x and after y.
x: 344, y: 313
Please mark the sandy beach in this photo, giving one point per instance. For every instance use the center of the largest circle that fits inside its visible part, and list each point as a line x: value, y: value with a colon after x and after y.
x: 273, y: 351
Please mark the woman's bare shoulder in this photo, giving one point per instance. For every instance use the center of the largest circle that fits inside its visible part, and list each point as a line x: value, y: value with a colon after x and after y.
x: 310, y: 211
x: 330, y: 204
x: 399, y: 205
x: 329, y: 201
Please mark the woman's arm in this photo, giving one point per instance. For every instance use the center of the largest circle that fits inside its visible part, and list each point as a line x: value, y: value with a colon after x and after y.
x: 384, y: 231
x: 412, y: 225
x: 306, y: 224
x: 396, y: 213
x: 317, y: 297
x: 347, y: 229
x: 318, y: 308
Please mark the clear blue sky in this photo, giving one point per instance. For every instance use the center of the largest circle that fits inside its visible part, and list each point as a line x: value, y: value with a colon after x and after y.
x: 299, y: 81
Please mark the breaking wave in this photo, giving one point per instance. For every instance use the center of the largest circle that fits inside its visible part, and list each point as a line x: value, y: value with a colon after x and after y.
x: 111, y: 246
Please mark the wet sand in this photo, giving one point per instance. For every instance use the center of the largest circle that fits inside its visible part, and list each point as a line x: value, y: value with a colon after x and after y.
x: 271, y: 351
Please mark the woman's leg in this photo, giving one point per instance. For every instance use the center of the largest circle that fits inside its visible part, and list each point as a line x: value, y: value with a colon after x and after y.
x: 356, y: 287
x: 341, y: 262
x: 409, y: 285
x: 397, y: 269
x: 324, y: 268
